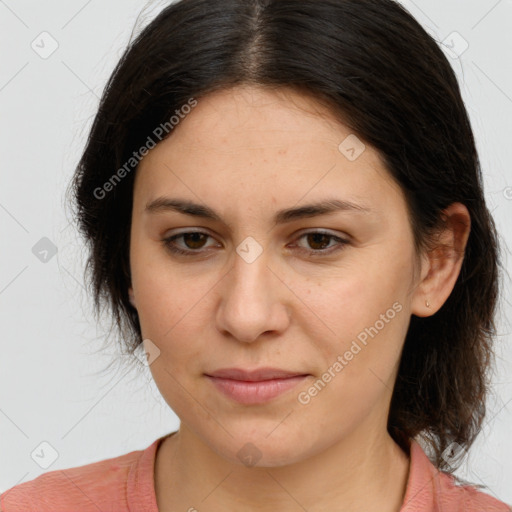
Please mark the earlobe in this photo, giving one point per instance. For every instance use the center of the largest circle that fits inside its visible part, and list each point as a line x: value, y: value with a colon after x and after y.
x: 131, y: 297
x: 422, y: 303
x: 442, y: 264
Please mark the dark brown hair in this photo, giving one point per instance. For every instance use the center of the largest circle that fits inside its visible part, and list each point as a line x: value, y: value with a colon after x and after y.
x: 385, y: 78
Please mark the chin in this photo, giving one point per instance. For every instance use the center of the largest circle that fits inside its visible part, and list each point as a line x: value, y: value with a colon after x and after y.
x: 256, y: 448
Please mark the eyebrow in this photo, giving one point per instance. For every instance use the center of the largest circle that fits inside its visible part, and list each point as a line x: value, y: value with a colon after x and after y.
x: 163, y: 204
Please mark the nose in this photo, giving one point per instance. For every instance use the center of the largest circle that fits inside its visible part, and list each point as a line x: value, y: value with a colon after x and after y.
x: 254, y: 301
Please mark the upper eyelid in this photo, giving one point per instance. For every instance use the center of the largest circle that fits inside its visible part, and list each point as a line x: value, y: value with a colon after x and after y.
x: 305, y: 231
x: 339, y: 238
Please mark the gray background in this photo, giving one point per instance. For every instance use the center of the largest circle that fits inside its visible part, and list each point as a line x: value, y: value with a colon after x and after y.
x: 52, y: 388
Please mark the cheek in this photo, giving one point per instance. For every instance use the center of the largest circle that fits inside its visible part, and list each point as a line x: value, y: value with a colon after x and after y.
x: 360, y: 353
x: 166, y: 307
x: 359, y: 313
x: 156, y: 292
x: 353, y: 296
x: 172, y: 302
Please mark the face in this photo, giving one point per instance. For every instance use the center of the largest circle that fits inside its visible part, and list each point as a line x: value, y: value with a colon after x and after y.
x: 324, y: 295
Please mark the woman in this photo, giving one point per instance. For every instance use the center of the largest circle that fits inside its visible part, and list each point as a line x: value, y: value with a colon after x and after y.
x: 284, y: 207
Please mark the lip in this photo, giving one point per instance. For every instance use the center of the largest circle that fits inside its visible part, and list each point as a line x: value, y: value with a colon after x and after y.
x: 258, y: 374
x: 254, y: 386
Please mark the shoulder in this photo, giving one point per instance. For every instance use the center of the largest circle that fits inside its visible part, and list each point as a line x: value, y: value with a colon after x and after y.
x: 432, y: 490
x: 97, y: 486
x: 466, y: 498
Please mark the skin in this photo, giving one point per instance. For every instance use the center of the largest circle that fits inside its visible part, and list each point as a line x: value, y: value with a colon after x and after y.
x: 248, y: 152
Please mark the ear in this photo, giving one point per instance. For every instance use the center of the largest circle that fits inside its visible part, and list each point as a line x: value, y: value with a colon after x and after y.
x: 440, y: 268
x: 131, y: 297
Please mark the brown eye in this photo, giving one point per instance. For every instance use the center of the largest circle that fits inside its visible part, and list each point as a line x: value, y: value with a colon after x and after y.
x: 319, y: 243
x: 192, y: 242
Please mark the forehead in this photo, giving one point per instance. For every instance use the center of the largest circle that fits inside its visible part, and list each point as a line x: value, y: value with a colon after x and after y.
x: 257, y: 118
x: 253, y: 143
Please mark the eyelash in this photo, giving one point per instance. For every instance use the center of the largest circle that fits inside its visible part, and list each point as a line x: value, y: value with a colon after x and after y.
x: 169, y: 244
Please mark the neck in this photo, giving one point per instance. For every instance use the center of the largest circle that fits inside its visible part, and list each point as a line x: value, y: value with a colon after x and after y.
x: 362, y: 472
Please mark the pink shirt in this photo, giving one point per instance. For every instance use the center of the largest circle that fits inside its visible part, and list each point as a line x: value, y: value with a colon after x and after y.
x: 126, y: 484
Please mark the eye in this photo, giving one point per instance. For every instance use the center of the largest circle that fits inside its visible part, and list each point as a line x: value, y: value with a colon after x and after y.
x: 319, y: 241
x: 193, y: 241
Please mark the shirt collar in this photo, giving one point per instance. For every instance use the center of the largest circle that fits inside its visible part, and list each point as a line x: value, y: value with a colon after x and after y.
x: 422, y: 482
